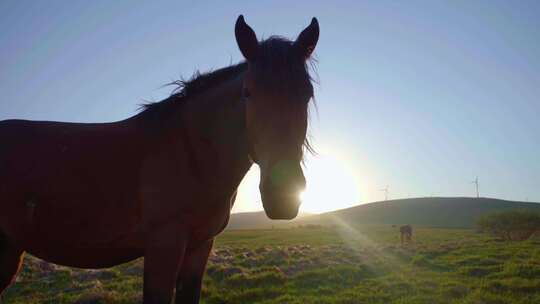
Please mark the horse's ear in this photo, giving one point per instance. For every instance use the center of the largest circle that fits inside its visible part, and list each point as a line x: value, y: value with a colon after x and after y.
x: 246, y: 39
x: 307, y: 40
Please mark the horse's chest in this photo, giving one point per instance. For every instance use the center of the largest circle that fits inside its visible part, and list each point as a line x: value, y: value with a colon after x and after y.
x: 209, y: 221
x: 211, y: 230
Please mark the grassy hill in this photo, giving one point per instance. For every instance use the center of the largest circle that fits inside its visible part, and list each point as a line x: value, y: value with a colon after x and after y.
x: 451, y: 212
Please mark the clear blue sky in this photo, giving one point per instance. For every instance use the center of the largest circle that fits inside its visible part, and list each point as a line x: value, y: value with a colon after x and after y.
x: 419, y: 95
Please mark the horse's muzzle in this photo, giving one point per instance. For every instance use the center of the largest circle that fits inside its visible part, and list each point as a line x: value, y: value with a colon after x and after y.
x: 281, y: 207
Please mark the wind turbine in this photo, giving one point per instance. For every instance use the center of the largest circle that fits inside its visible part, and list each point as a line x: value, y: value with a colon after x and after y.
x: 475, y: 182
x: 385, y: 190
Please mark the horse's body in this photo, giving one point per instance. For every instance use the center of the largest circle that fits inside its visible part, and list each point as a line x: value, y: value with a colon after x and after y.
x: 67, y: 189
x: 79, y: 203
x: 406, y: 232
x: 160, y: 184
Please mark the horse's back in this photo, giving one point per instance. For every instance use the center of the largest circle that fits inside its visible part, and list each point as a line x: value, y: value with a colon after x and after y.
x: 30, y: 142
x: 27, y: 147
x: 13, y: 134
x: 19, y: 142
x: 19, y: 135
x: 34, y: 154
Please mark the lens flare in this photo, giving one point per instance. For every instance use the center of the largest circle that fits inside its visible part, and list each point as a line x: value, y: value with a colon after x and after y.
x: 330, y: 185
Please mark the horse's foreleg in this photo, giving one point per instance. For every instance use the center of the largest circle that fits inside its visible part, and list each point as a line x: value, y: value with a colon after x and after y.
x: 164, y: 252
x: 11, y: 258
x: 190, y: 275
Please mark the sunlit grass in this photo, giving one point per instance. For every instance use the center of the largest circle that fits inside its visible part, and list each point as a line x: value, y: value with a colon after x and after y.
x: 361, y: 244
x: 343, y: 263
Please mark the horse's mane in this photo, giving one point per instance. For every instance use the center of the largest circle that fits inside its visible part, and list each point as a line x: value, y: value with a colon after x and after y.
x: 184, y: 89
x: 273, y: 68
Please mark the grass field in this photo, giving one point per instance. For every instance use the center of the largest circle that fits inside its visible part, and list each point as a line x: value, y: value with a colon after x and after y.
x: 363, y: 264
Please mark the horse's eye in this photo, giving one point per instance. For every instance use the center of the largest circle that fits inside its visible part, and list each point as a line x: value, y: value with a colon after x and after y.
x: 245, y: 93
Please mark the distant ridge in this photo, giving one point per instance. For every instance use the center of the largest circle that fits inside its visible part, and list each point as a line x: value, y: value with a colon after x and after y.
x: 450, y: 212
x: 427, y: 211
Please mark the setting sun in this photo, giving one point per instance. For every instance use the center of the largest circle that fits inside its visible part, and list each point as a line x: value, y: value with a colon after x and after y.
x: 330, y: 185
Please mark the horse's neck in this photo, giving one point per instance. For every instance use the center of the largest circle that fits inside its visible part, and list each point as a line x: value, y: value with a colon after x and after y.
x: 217, y: 129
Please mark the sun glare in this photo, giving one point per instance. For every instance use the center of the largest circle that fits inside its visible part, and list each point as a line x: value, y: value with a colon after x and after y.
x: 330, y: 185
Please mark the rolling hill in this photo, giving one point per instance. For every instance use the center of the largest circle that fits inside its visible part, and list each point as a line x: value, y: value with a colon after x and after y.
x: 451, y: 212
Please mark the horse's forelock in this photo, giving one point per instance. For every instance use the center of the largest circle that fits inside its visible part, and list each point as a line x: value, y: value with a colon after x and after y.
x: 277, y: 68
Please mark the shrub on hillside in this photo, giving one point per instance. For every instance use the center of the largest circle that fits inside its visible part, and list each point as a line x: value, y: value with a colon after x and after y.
x: 510, y: 225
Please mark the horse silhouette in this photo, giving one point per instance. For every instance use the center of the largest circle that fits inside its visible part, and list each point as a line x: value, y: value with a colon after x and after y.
x: 406, y: 232
x: 160, y: 184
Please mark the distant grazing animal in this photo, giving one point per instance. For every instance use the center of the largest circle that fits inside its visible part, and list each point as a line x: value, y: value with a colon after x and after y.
x: 160, y: 184
x: 406, y: 233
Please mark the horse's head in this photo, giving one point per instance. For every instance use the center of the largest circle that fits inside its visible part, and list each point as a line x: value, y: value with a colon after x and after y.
x: 277, y: 89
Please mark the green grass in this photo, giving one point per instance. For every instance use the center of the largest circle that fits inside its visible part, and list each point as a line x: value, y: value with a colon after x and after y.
x: 363, y: 264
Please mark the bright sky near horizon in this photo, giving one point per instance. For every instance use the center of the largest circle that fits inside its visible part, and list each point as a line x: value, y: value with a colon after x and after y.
x: 422, y: 96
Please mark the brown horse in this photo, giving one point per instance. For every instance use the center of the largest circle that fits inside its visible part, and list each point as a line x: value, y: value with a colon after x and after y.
x: 160, y: 184
x: 406, y: 232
